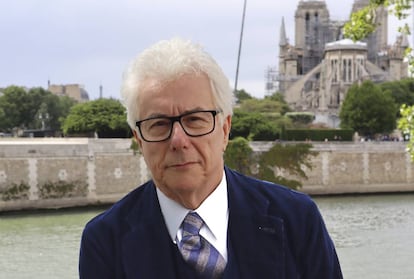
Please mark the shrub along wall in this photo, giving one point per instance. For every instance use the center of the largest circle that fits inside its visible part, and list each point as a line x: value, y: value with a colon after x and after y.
x: 317, y: 134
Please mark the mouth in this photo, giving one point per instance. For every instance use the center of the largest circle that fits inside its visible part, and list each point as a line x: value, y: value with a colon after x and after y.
x: 181, y: 165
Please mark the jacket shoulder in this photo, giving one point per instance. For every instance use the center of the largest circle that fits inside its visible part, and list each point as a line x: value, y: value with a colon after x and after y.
x: 118, y: 212
x: 268, y: 190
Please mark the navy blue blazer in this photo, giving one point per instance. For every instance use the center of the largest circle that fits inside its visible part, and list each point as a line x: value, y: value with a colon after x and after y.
x: 273, y: 232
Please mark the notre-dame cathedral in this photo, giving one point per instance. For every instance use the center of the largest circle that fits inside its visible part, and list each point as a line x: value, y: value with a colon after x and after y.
x: 315, y: 73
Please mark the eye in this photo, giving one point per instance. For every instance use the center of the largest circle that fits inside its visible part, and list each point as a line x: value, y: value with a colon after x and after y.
x: 158, y: 123
x: 194, y: 118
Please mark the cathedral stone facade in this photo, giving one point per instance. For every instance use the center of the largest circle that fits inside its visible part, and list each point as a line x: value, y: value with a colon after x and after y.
x: 316, y: 72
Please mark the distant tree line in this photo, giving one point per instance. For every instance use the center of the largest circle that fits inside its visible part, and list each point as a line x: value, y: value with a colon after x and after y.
x: 373, y: 109
x: 39, y: 109
x: 368, y: 109
x: 35, y: 108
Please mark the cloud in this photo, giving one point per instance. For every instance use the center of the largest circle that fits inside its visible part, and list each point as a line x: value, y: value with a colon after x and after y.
x: 90, y: 41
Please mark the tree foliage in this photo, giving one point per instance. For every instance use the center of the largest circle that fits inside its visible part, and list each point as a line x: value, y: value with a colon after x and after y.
x: 402, y: 91
x: 99, y: 116
x: 242, y: 95
x: 14, y: 106
x: 282, y: 164
x: 359, y: 26
x: 257, y: 125
x: 263, y: 105
x: 406, y: 125
x: 368, y: 110
x: 303, y: 118
x: 289, y: 160
x: 260, y: 119
x: 32, y: 109
x: 362, y: 22
x: 239, y: 155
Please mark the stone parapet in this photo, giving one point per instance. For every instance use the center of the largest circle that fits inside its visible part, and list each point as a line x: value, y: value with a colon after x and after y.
x: 65, y: 172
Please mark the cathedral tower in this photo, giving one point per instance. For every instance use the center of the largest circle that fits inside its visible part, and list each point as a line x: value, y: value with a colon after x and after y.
x: 312, y: 33
x: 378, y: 40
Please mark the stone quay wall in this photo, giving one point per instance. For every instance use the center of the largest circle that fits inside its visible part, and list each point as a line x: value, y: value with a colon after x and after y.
x: 67, y: 172
x: 357, y: 167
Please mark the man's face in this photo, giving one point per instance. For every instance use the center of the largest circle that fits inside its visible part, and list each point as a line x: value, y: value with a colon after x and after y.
x: 187, y: 169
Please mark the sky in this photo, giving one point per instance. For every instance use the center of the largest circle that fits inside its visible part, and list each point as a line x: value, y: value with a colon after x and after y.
x: 90, y: 42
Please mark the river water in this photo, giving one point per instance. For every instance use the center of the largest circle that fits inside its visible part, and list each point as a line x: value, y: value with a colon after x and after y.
x: 374, y: 236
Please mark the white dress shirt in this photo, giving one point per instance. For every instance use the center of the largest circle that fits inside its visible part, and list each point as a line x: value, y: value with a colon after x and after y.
x: 214, y: 212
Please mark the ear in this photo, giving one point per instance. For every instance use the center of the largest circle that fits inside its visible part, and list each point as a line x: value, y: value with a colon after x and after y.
x: 226, y: 130
x: 137, y: 138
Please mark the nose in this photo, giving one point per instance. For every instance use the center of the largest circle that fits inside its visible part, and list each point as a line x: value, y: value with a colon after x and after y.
x: 179, y: 138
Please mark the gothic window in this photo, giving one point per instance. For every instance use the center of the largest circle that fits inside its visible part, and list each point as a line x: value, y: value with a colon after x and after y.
x: 344, y: 69
x: 358, y: 67
x: 338, y: 97
x: 357, y: 70
x: 316, y: 28
x: 334, y: 70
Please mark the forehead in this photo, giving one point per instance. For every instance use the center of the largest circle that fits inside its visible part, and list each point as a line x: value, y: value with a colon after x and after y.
x: 185, y: 93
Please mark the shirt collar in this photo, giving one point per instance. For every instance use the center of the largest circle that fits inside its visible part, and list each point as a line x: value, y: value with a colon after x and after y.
x: 213, y: 210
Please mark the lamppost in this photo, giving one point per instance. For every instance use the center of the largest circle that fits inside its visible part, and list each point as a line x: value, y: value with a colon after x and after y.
x: 240, y: 46
x: 43, y: 119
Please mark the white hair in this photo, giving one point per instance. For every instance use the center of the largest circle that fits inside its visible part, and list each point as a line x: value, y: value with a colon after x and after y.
x: 166, y: 61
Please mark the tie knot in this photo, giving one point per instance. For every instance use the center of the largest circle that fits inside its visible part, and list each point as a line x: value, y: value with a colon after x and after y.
x: 192, y: 224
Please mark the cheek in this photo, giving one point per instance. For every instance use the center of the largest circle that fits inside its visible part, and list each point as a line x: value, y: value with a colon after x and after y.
x: 215, y: 152
x: 151, y: 156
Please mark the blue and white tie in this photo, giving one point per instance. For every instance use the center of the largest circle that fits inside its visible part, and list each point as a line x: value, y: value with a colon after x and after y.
x: 197, y: 251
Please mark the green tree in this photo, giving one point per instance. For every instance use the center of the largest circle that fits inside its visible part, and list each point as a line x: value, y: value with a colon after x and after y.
x: 289, y: 161
x: 242, y: 123
x: 63, y: 107
x: 278, y: 97
x: 362, y: 23
x: 239, y: 155
x: 368, y: 110
x: 260, y: 119
x: 49, y: 109
x: 263, y: 105
x: 402, y: 91
x: 257, y: 126
x: 242, y: 95
x: 103, y: 116
x: 15, y: 105
x: 32, y: 109
x: 301, y: 118
x: 406, y: 125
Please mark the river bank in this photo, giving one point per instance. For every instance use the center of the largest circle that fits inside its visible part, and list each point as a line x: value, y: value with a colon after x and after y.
x: 366, y: 229
x: 70, y: 172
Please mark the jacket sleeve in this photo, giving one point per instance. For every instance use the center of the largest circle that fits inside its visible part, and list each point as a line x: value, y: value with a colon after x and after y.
x: 320, y: 260
x: 94, y: 259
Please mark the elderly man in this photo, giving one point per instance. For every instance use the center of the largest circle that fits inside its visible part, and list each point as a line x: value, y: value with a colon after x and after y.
x: 196, y: 218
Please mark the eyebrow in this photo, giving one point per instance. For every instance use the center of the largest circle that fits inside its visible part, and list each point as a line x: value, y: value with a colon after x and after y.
x: 155, y: 115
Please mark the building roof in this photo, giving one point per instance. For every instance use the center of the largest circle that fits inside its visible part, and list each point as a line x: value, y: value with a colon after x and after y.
x: 345, y: 44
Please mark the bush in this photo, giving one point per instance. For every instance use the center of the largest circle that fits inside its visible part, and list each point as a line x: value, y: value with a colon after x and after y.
x: 317, y: 134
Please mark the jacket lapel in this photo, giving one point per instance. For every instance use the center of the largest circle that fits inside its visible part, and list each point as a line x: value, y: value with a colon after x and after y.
x: 255, y: 239
x: 147, y: 245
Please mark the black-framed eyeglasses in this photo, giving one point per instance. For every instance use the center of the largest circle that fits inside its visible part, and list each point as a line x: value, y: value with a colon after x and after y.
x: 195, y: 124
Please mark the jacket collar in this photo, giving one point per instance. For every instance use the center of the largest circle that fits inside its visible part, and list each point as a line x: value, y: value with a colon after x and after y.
x: 146, y: 243
x: 255, y: 239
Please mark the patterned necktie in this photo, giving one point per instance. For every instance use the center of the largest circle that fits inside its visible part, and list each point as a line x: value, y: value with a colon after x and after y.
x: 197, y: 251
